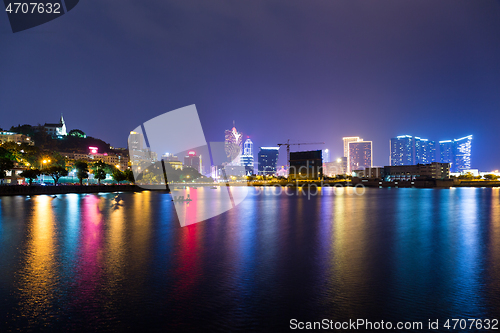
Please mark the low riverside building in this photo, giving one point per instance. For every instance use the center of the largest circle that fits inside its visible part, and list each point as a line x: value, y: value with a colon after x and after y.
x: 306, y: 165
x: 433, y: 170
x: 13, y: 176
x: 373, y: 173
x: 117, y: 160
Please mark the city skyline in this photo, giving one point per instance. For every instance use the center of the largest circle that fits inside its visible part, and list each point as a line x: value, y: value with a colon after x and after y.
x: 327, y: 70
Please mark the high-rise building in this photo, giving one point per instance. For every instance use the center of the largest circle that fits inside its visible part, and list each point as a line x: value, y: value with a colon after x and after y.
x: 135, y: 141
x: 306, y: 165
x: 360, y: 155
x: 268, y: 159
x: 348, y: 139
x: 233, y: 145
x: 326, y: 155
x: 462, y: 153
x: 246, y: 159
x: 402, y: 150
x: 192, y: 160
x: 457, y: 152
x: 425, y: 151
x: 446, y: 151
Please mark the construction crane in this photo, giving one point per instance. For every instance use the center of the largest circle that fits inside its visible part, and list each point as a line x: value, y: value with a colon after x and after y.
x: 288, y: 144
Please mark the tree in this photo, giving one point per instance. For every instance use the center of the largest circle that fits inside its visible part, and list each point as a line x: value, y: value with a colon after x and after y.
x: 129, y: 176
x: 99, y: 174
x: 6, y: 161
x: 82, y: 170
x: 31, y: 174
x: 491, y: 177
x: 56, y: 172
x: 99, y: 170
x: 118, y: 176
x: 77, y: 133
x: 58, y: 159
x: 467, y: 176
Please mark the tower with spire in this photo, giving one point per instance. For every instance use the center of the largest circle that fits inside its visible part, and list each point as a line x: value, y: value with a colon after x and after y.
x: 56, y: 130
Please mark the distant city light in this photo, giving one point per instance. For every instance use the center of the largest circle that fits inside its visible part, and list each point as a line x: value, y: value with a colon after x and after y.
x: 192, y: 153
x: 93, y: 150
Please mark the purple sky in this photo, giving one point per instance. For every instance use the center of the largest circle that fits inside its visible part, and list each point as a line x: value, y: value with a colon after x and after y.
x: 305, y: 70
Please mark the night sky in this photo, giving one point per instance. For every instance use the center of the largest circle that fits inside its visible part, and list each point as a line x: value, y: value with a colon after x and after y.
x: 305, y: 70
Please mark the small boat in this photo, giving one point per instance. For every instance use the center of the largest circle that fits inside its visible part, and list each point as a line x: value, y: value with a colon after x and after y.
x: 180, y: 198
x: 214, y: 187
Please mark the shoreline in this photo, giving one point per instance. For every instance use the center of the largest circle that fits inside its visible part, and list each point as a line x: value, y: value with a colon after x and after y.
x: 9, y: 190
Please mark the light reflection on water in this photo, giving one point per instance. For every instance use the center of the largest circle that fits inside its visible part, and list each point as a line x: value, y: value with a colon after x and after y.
x: 121, y: 261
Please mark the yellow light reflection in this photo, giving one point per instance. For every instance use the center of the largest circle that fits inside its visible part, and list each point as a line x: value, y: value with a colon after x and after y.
x: 141, y: 231
x: 349, y: 250
x: 37, y: 278
x: 115, y: 241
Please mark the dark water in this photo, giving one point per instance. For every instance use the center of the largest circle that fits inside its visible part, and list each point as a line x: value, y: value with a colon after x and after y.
x: 83, y: 262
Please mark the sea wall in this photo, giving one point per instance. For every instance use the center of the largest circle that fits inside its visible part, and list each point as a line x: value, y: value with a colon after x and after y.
x: 62, y: 189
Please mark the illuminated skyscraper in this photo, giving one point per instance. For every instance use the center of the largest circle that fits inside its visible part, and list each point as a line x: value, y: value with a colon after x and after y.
x: 233, y: 145
x: 326, y: 155
x: 402, y: 151
x: 425, y: 151
x: 193, y: 161
x: 446, y: 151
x: 360, y: 155
x: 462, y: 152
x: 456, y: 152
x: 246, y: 159
x: 135, y: 141
x: 346, y: 143
x: 268, y: 159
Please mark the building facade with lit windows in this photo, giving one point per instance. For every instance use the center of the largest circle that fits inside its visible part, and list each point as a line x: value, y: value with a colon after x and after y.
x: 246, y: 160
x: 337, y: 167
x: 326, y: 155
x: 462, y: 154
x: 434, y: 170
x: 446, y: 151
x: 233, y: 145
x: 402, y: 150
x: 346, y: 141
x: 192, y: 160
x: 268, y: 160
x: 120, y: 161
x: 457, y: 152
x: 360, y: 155
x: 15, y: 137
x: 425, y: 151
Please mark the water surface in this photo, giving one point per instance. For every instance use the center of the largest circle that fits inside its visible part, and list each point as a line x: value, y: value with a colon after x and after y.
x: 85, y: 262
